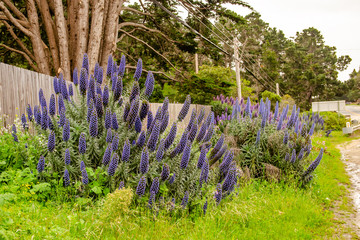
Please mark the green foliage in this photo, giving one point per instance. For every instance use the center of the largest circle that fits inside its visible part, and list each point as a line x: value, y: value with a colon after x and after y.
x: 333, y: 120
x: 117, y: 204
x: 219, y: 108
x: 273, y: 97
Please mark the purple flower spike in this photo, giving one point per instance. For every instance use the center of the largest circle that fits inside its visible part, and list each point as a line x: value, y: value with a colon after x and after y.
x: 51, y: 141
x: 141, y: 140
x: 99, y: 106
x: 151, y: 199
x: 82, y: 143
x: 52, y: 105
x: 165, y: 107
x: 138, y: 124
x: 42, y: 98
x: 138, y: 70
x: 185, y: 200
x: 258, y: 137
x: 126, y: 111
x: 160, y: 151
x: 311, y: 132
x: 105, y: 96
x: 118, y: 89
x: 155, y: 185
x: 82, y: 166
x: 29, y: 112
x: 165, y: 172
x: 201, y: 115
x: 126, y: 151
x: 202, y: 157
x: 93, y: 128
x: 144, y: 163
x: 205, y: 207
x: 172, y: 179
x: 122, y: 65
x: 41, y: 164
x: 149, y: 119
x: 120, y: 102
x: 218, y: 194
x: 186, y: 156
x: 61, y: 103
x: 314, y: 164
x: 109, y: 66
x: 201, y: 133
x: 107, y: 156
x: 185, y: 109
x: 154, y: 136
x: 192, y: 119
x: 115, y: 124
x: 67, y: 157
x: 141, y: 187
x: 180, y: 147
x: 115, y: 142
x: 64, y: 90
x: 218, y: 145
x: 144, y: 109
x: 75, y: 77
x: 121, y: 185
x: 133, y: 113
x: 149, y: 84
x: 66, y: 130
x: 135, y: 91
x: 204, y: 173
x: 229, y: 179
x: 66, y: 178
x: 171, y: 136
x: 108, y: 119
x: 85, y: 63
x: 293, y: 156
x: 164, y: 122
x: 113, y: 164
x: 44, y: 119
x: 209, y: 133
x: 85, y: 178
x: 37, y: 114
x: 56, y: 85
x: 83, y: 81
x: 193, y: 131
x: 114, y: 79
x: 109, y: 136
x: 24, y: 122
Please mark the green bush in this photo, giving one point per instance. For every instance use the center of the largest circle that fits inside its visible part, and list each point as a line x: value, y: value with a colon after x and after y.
x: 273, y: 97
x: 333, y: 120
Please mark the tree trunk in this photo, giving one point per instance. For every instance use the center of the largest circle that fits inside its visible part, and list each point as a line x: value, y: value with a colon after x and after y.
x: 83, y: 32
x: 72, y: 22
x: 63, y: 38
x: 96, y: 32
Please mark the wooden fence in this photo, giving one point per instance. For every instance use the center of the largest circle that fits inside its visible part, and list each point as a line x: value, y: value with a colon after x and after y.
x: 19, y: 87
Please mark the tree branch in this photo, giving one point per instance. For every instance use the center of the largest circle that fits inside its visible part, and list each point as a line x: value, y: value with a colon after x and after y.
x: 136, y: 11
x: 15, y: 10
x: 14, y: 20
x: 22, y: 53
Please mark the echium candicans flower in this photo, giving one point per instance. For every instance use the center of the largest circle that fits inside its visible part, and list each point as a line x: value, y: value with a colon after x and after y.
x: 193, y: 131
x: 138, y: 70
x: 157, y: 117
x: 149, y: 120
x: 144, y: 162
x: 248, y: 107
x: 41, y: 164
x: 61, y: 102
x: 293, y: 156
x: 165, y: 107
x: 82, y: 166
x: 107, y: 155
x: 155, y: 185
x: 135, y: 91
x: 118, y: 89
x: 141, y: 187
x: 99, y: 106
x: 113, y: 164
x: 114, y: 67
x: 44, y: 119
x: 218, y: 194
x: 286, y: 137
x: 52, y: 105
x: 209, y: 133
x: 160, y: 151
x: 185, y: 108
x: 66, y: 130
x: 121, y: 185
x: 263, y: 121
x: 85, y: 62
x: 126, y: 151
x: 229, y: 179
x: 56, y: 85
x: 204, y: 173
x: 287, y: 157
x: 201, y: 115
x: 109, y: 66
x: 171, y: 136
x: 154, y: 136
x: 114, y: 79
x: 226, y: 163
x: 138, y: 124
x: 64, y: 90
x: 301, y: 154
x: 279, y: 126
x: 90, y: 110
x: 186, y: 156
x: 67, y: 157
x: 66, y: 178
x: 93, y: 127
x: 126, y: 111
x: 219, y: 154
x: 115, y: 142
x: 201, y: 133
x: 165, y: 172
x: 82, y: 143
x: 151, y: 199
x: 24, y: 122
x: 311, y: 131
x: 181, y: 145
x: 42, y: 100
x: 205, y: 207
x: 98, y: 89
x: 75, y: 77
x: 29, y: 112
x: 15, y: 137
x: 105, y: 96
x: 83, y: 81
x: 144, y: 109
x: 115, y: 124
x: 120, y: 102
x: 96, y: 70
x: 85, y: 178
x: 314, y: 164
x: 202, y: 157
x: 164, y: 122
x: 100, y: 75
x: 172, y: 179
x: 51, y: 141
x: 122, y: 65
x: 133, y: 113
x: 109, y: 136
x: 192, y: 118
x: 209, y: 119
x: 218, y: 145
x: 149, y: 84
x: 37, y: 114
x: 108, y: 119
x: 258, y: 137
x: 185, y: 200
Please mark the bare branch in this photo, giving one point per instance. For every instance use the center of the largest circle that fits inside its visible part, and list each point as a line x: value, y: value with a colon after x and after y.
x: 138, y: 25
x: 14, y: 20
x: 22, y: 45
x: 155, y: 72
x: 22, y: 53
x: 15, y: 10
x: 136, y: 11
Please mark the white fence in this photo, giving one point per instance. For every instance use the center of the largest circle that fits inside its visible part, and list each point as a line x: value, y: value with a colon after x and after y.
x: 328, y: 106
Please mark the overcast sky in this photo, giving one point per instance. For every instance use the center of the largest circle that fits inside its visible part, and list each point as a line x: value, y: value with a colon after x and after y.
x: 337, y: 20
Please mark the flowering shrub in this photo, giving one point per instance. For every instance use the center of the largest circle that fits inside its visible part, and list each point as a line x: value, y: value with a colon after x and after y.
x: 276, y: 138
x: 107, y: 138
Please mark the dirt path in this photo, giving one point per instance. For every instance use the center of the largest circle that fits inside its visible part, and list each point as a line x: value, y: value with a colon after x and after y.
x: 351, y: 156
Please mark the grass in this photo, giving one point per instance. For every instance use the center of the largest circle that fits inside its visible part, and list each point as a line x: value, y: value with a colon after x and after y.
x: 261, y: 210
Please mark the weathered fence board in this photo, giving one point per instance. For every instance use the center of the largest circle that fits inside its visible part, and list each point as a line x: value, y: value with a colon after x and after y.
x: 19, y: 87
